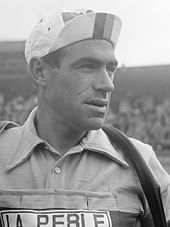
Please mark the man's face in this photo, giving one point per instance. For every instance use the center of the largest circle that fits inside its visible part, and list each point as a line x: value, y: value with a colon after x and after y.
x: 79, y: 91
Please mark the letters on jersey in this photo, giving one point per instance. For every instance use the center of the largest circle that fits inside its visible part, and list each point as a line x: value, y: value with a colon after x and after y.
x: 55, y: 218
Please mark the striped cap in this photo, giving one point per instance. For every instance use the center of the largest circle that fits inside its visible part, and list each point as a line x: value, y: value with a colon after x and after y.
x: 62, y: 29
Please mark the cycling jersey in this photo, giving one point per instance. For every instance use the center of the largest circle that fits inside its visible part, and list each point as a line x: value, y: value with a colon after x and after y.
x: 92, y: 185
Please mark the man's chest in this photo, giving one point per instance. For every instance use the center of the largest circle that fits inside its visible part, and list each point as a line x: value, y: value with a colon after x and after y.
x: 77, y: 191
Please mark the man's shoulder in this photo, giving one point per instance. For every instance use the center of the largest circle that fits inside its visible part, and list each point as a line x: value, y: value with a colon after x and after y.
x: 5, y: 125
x: 10, y: 133
x: 144, y: 149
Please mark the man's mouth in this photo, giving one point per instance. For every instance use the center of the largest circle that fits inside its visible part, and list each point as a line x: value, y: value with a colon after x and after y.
x: 98, y: 102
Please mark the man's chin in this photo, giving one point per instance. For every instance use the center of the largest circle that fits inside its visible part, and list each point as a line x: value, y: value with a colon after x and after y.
x: 95, y: 123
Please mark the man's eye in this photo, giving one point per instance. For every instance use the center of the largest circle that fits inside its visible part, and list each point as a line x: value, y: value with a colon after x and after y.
x: 88, y: 66
x: 111, y: 68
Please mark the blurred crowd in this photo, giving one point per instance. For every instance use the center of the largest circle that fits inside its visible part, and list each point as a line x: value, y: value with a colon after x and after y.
x: 144, y: 119
x: 16, y: 109
x: 141, y: 117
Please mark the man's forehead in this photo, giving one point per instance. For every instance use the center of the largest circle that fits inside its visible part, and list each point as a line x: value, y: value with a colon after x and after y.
x: 97, y: 49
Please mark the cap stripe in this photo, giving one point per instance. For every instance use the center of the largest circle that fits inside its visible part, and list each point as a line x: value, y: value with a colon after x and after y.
x: 108, y: 26
x: 99, y: 25
x: 115, y: 30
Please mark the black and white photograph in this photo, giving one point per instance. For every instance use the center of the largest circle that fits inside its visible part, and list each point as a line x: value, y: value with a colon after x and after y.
x: 84, y: 113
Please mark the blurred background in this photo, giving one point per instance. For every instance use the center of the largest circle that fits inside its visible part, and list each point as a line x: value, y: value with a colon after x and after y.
x: 140, y: 104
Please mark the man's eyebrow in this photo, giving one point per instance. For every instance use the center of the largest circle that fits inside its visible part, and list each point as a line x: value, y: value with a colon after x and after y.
x: 93, y: 61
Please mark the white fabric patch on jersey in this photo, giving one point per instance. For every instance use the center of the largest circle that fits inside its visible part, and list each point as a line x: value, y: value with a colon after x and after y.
x: 55, y: 218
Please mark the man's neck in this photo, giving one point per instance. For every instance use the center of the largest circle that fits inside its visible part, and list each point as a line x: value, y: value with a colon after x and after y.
x: 58, y: 135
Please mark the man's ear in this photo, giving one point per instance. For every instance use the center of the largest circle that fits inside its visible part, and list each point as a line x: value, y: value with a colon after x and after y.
x: 38, y: 71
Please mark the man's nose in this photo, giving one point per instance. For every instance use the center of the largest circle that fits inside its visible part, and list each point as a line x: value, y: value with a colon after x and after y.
x: 104, y: 82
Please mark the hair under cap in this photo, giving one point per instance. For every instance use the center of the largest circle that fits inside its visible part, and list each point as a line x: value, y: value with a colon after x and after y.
x: 64, y: 28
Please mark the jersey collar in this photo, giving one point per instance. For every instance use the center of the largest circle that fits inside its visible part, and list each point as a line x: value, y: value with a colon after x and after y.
x: 95, y: 141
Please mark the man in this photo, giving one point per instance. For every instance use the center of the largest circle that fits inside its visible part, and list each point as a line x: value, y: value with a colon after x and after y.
x: 59, y: 168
